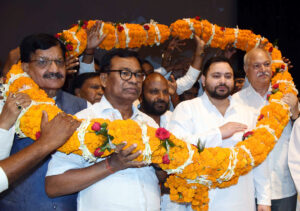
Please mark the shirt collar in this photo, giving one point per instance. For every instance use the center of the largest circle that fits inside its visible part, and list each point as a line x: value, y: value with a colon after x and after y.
x: 250, y: 91
x: 209, y: 103
x: 104, y: 104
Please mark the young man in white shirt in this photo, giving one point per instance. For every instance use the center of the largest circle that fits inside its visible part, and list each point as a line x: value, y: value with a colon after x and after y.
x: 122, y: 186
x: 218, y: 121
x: 257, y: 66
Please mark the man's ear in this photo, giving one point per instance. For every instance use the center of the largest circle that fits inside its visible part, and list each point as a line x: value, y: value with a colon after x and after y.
x: 203, y: 80
x: 103, y: 79
x: 25, y: 66
x: 77, y: 92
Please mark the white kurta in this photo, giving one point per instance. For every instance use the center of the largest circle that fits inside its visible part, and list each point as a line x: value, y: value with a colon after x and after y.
x: 200, y: 119
x: 132, y: 189
x: 282, y: 184
x: 294, y: 154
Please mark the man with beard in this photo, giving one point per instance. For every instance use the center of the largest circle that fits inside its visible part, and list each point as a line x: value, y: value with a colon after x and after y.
x: 155, y: 99
x: 216, y: 120
x: 257, y: 66
x: 43, y: 58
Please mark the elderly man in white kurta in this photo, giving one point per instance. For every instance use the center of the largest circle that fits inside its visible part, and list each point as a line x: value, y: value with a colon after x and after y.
x: 257, y: 65
x: 218, y: 121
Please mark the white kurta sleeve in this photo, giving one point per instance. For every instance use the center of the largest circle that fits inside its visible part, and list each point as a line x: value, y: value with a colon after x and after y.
x: 161, y: 70
x: 187, y: 81
x: 3, y: 181
x: 86, y: 68
x: 6, y: 141
x: 262, y: 183
x: 294, y: 154
x: 183, y: 127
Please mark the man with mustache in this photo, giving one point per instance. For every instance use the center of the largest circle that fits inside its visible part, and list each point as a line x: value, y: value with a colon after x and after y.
x: 115, y: 182
x: 257, y: 66
x: 43, y: 58
x: 217, y: 120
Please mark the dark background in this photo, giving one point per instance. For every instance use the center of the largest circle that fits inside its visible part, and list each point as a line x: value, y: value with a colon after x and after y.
x: 276, y: 19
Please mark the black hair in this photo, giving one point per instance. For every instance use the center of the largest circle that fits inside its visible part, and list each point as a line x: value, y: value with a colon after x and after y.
x: 212, y: 60
x: 80, y: 79
x: 123, y: 53
x: 35, y: 42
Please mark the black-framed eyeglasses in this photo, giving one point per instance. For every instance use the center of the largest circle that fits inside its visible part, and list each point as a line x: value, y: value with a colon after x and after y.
x: 127, y: 75
x: 44, y: 62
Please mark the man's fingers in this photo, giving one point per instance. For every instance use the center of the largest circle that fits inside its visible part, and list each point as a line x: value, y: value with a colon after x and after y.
x: 119, y: 147
x: 44, y: 117
x: 133, y: 156
x: 136, y: 164
x: 127, y: 151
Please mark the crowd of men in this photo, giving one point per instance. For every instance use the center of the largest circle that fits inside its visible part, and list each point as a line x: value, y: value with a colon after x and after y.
x: 196, y: 99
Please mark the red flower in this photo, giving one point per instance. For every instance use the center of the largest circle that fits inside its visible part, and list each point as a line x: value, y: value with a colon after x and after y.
x: 247, y: 134
x: 162, y: 134
x: 223, y: 29
x: 260, y: 117
x: 268, y: 96
x: 96, y: 126
x: 270, y: 49
x: 283, y: 66
x: 69, y: 47
x: 98, y: 152
x: 275, y: 86
x: 165, y: 159
x: 146, y: 27
x: 57, y: 36
x: 120, y: 28
x: 38, y: 135
x: 197, y: 17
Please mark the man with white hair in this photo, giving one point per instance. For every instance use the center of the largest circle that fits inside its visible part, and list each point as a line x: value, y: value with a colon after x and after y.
x: 257, y: 66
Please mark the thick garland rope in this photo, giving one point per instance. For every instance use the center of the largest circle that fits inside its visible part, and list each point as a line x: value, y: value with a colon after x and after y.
x: 195, y: 172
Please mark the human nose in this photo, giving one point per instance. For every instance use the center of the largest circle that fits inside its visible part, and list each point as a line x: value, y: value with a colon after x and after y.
x: 53, y: 67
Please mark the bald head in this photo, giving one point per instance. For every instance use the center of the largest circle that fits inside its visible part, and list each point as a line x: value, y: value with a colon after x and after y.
x: 255, y: 52
x: 257, y: 66
x: 154, y: 78
x: 155, y: 95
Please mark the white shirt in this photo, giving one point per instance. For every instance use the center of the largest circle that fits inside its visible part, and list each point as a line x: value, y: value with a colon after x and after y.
x: 184, y: 83
x: 294, y: 154
x: 282, y: 184
x: 132, y: 189
x: 200, y: 119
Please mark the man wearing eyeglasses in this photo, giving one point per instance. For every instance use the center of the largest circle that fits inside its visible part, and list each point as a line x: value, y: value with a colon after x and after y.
x: 43, y: 58
x: 116, y: 182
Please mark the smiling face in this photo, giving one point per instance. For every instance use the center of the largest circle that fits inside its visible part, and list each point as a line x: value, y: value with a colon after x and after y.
x: 258, y: 68
x: 218, y: 81
x: 116, y: 88
x: 47, y: 76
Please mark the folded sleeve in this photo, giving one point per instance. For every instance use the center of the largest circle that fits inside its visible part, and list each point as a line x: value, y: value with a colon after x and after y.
x: 187, y: 81
x: 86, y: 68
x: 6, y: 141
x: 3, y: 181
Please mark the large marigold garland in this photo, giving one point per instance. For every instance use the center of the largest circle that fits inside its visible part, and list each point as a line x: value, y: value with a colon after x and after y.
x: 193, y: 171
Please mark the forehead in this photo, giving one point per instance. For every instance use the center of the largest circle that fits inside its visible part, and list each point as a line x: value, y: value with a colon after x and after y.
x: 119, y: 63
x: 52, y: 53
x: 258, y: 56
x: 156, y: 83
x: 220, y: 67
x: 93, y: 80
